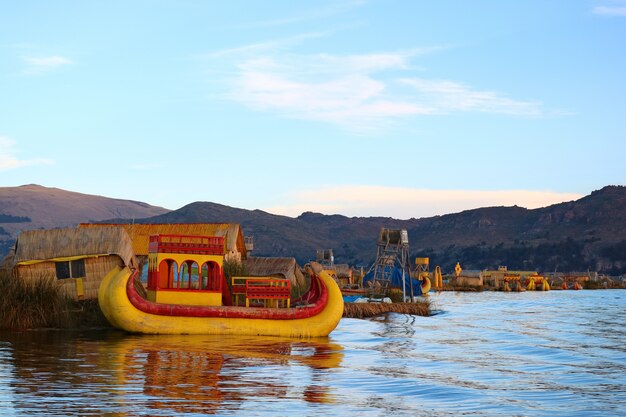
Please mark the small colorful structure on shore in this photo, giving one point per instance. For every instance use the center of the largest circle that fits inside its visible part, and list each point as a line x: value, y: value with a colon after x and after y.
x: 187, y: 293
x: 571, y: 284
x: 537, y: 283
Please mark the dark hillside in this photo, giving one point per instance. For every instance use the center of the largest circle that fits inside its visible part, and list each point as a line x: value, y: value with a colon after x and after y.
x: 578, y: 235
x: 589, y: 233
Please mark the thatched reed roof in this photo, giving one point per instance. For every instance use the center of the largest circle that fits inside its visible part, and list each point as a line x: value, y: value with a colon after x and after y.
x: 343, y: 270
x: 287, y: 267
x: 140, y: 233
x: 471, y: 273
x: 50, y: 244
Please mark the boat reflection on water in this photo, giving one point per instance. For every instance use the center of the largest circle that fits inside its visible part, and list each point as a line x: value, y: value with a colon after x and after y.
x: 97, y: 373
x: 204, y: 374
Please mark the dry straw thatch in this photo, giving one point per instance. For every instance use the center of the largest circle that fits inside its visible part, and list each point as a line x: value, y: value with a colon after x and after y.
x: 281, y: 267
x: 364, y: 310
x: 343, y: 270
x: 43, y: 245
x: 140, y: 234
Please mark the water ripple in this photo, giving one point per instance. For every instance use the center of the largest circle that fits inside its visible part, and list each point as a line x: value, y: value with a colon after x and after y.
x: 540, y: 354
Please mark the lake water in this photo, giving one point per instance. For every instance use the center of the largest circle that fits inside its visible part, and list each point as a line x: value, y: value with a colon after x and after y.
x: 495, y: 354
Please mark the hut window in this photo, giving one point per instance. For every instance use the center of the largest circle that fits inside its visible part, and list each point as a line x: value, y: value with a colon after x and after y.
x: 73, y: 269
x: 63, y: 270
x: 78, y: 268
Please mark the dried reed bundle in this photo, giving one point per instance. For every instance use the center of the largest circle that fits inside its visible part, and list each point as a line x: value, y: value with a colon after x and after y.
x: 40, y: 245
x: 364, y: 310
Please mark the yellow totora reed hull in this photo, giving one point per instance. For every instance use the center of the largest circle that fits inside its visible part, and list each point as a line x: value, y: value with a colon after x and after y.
x: 121, y: 313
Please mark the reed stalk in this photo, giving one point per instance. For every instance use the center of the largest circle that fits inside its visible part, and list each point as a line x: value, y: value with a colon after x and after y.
x: 41, y: 303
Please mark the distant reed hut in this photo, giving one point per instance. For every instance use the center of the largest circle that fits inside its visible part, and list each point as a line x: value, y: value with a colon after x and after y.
x: 283, y: 268
x: 342, y: 273
x: 468, y: 278
x: 560, y: 279
x: 77, y: 258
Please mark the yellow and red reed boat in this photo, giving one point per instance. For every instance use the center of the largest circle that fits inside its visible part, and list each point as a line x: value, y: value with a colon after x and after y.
x: 187, y: 293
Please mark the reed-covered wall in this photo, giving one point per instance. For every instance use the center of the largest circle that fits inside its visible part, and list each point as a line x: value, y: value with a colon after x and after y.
x: 95, y: 270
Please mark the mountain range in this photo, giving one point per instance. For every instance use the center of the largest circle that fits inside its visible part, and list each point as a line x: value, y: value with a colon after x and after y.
x: 586, y: 234
x: 32, y: 206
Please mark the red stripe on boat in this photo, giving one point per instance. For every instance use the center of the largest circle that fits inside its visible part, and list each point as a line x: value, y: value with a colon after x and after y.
x: 317, y: 290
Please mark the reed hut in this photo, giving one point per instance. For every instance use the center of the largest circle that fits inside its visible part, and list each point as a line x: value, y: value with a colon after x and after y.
x: 77, y: 258
x: 284, y: 268
x: 581, y: 277
x: 472, y: 278
x: 341, y: 273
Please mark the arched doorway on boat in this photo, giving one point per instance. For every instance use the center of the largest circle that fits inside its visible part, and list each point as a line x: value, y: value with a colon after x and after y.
x: 211, y: 276
x: 189, y: 276
x: 167, y: 274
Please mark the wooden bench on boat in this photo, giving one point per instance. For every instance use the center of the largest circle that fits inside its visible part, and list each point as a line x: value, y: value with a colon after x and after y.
x: 268, y: 290
x: 238, y: 288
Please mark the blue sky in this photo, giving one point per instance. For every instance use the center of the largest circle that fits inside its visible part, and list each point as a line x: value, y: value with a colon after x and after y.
x: 362, y: 108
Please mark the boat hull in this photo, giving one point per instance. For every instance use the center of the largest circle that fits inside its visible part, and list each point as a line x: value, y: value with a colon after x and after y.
x: 116, y: 305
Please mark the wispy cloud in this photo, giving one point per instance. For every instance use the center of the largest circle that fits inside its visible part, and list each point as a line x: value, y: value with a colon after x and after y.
x: 9, y: 160
x: 359, y: 92
x: 325, y: 88
x: 446, y: 96
x: 46, y: 63
x: 616, y: 8
x: 404, y: 203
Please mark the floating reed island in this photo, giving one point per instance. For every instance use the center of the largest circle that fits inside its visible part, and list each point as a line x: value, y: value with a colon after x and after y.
x: 364, y: 310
